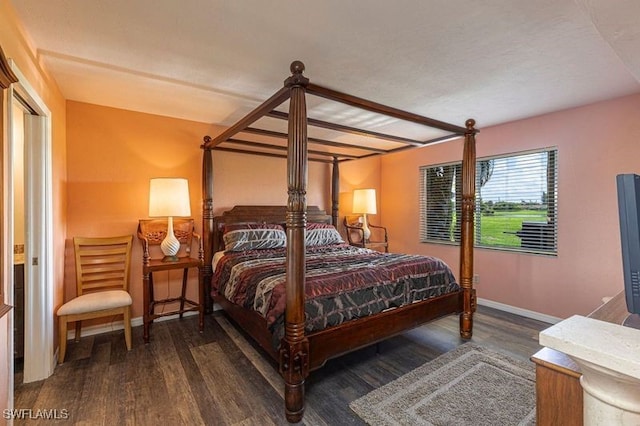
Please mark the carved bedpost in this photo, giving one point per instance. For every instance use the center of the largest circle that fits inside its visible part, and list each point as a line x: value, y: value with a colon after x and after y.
x: 335, y: 191
x: 207, y: 222
x: 467, y: 235
x: 294, y: 348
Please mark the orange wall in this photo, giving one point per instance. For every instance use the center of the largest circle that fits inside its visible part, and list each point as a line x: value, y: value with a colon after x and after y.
x: 113, y: 153
x: 594, y: 143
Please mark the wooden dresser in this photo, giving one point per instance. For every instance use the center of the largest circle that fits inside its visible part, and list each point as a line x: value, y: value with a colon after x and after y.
x: 558, y: 390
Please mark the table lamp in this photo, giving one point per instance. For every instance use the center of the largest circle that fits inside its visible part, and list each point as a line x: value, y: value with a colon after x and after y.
x: 364, y: 202
x: 169, y: 197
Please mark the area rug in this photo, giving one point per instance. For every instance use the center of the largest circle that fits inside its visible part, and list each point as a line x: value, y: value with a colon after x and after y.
x: 469, y: 385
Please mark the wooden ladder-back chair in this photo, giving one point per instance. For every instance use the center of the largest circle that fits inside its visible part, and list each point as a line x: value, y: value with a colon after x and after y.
x: 102, y: 278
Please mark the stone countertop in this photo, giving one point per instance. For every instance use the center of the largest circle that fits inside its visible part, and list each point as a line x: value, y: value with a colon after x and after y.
x: 602, y: 343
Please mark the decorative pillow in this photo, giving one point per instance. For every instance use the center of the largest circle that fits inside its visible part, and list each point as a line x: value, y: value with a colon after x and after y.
x: 254, y: 239
x: 319, y: 225
x: 251, y: 225
x: 322, y: 236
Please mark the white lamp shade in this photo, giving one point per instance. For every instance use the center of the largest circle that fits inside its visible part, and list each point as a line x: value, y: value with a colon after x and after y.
x: 364, y: 201
x: 169, y: 197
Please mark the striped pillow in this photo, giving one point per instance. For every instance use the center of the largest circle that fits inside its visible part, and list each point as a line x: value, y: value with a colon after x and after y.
x: 251, y: 225
x: 322, y: 235
x: 254, y: 239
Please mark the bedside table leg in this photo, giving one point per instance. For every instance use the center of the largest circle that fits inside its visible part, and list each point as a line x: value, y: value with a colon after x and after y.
x: 201, y: 298
x: 183, y: 294
x: 146, y: 303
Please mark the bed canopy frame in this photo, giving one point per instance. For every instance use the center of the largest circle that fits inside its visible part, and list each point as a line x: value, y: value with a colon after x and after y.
x: 300, y: 353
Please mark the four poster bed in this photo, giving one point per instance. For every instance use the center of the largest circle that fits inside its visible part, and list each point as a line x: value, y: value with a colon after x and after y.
x: 295, y: 308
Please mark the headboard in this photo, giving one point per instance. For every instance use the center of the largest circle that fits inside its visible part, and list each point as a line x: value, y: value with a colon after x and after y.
x: 259, y: 214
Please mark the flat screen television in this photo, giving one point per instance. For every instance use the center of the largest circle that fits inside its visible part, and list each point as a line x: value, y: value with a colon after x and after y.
x: 629, y: 211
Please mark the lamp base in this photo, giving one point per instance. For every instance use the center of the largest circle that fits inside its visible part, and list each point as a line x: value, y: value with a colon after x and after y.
x: 366, y: 231
x: 170, y: 245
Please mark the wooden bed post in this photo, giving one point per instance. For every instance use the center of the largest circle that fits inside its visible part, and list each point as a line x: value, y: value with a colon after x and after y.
x: 294, y: 348
x: 467, y: 233
x: 335, y: 191
x: 207, y: 222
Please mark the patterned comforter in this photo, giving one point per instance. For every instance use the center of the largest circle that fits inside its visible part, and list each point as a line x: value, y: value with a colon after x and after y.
x: 342, y: 283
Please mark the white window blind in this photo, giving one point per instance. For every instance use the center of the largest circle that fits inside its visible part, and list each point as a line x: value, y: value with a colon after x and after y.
x: 516, y: 202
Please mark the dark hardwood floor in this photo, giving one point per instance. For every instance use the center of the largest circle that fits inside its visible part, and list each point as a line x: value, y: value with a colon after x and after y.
x: 183, y: 377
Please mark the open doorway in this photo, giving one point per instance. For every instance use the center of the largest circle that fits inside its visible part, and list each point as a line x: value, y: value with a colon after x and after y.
x: 18, y: 111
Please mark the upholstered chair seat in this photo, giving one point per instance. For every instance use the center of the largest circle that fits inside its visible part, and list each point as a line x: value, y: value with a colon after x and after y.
x: 93, y: 302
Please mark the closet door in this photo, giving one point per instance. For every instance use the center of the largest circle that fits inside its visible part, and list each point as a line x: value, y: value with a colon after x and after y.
x: 39, y: 314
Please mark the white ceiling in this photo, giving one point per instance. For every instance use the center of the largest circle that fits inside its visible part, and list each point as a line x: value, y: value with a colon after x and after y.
x: 213, y: 61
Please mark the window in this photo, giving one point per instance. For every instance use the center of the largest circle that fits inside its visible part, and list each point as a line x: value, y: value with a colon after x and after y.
x: 516, y: 202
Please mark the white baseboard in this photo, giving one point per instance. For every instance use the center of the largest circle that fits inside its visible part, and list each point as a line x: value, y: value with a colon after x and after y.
x: 118, y: 325
x: 519, y: 311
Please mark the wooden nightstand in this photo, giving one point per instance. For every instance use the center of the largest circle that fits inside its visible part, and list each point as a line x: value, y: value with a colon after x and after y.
x: 355, y: 234
x: 376, y: 245
x: 151, y: 232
